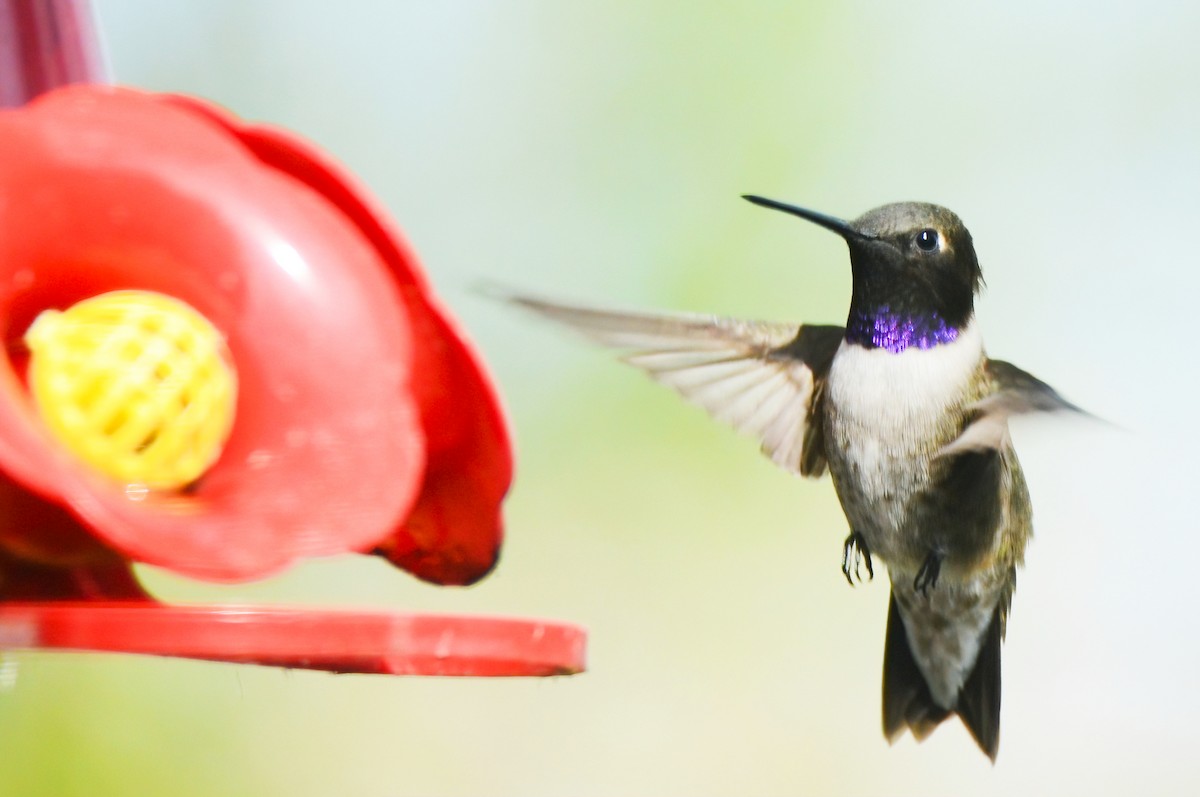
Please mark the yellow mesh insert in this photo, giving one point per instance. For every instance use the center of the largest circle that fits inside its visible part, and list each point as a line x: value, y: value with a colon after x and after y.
x: 136, y: 384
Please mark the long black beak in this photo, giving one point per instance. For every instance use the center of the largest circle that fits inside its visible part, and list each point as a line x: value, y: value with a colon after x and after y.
x: 842, y: 228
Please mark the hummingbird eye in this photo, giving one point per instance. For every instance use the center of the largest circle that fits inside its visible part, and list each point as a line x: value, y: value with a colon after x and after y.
x: 927, y: 240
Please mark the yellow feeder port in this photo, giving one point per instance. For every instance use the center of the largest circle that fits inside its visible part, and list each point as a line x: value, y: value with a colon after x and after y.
x: 136, y: 384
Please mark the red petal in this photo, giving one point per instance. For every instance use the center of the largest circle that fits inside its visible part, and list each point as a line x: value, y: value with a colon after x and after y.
x: 453, y: 534
x: 40, y: 532
x: 107, y: 578
x: 115, y: 189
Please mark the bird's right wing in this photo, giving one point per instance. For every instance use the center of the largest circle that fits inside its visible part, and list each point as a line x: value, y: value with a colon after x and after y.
x: 764, y: 379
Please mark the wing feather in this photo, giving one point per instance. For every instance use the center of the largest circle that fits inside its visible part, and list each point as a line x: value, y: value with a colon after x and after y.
x: 761, y: 378
x: 1013, y: 392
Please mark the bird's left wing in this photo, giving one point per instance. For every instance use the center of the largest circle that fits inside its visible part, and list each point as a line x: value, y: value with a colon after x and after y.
x: 1012, y: 392
x: 764, y: 379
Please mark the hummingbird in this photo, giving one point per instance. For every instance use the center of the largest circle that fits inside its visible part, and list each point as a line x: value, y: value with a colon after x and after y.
x: 909, y: 416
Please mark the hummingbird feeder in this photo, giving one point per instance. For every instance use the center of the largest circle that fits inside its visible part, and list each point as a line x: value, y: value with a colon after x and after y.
x: 222, y: 358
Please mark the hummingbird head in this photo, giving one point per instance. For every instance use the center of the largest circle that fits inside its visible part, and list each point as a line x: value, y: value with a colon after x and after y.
x: 915, y: 273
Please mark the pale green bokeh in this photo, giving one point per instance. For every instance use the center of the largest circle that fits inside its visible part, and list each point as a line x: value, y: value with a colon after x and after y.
x: 596, y: 150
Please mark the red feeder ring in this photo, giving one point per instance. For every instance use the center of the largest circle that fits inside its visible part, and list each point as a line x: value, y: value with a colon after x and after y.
x: 339, y: 641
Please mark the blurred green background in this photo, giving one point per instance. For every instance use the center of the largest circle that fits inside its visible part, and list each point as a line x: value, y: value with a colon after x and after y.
x: 596, y: 150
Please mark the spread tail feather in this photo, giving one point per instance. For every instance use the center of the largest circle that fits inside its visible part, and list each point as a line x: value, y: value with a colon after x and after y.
x: 907, y: 702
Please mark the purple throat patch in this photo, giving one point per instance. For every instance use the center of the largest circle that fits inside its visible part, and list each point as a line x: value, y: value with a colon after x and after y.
x: 895, y: 332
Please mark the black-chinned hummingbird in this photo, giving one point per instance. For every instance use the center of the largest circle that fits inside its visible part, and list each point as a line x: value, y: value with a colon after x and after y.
x: 909, y: 416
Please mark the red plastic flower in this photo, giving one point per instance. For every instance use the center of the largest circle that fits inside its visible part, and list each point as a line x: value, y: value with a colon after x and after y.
x: 364, y: 420
x: 250, y: 369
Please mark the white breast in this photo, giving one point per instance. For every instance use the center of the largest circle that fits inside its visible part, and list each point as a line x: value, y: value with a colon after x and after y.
x: 891, y: 391
x: 886, y: 415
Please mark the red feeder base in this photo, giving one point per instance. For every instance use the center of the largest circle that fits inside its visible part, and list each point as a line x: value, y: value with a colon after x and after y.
x: 339, y: 641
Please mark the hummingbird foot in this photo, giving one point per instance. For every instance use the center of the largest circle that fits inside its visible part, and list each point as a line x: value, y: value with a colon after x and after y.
x: 927, y: 576
x: 855, y: 552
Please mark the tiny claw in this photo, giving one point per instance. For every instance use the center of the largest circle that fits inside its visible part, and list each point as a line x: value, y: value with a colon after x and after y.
x: 854, y: 552
x: 927, y: 576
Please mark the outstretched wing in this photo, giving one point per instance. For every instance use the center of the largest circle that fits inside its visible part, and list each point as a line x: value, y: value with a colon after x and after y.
x: 1013, y: 392
x: 764, y: 379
